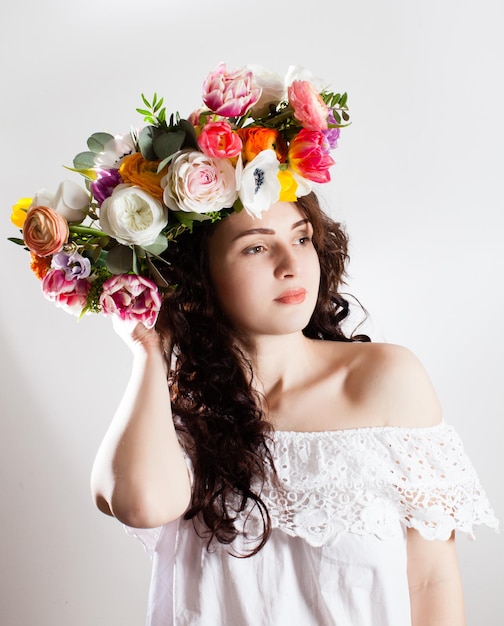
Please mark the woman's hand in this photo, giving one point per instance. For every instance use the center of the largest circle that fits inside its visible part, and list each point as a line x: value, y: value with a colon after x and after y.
x: 135, y: 334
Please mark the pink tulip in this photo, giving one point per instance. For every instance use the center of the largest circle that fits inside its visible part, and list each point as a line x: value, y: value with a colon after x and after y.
x: 131, y: 297
x: 70, y: 295
x: 308, y: 156
x: 230, y: 94
x: 219, y: 141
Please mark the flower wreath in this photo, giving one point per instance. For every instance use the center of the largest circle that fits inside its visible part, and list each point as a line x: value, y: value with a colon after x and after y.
x: 257, y: 139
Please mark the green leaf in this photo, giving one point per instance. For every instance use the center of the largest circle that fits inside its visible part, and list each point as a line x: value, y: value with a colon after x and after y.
x: 164, y: 163
x: 157, y: 106
x: 191, y: 141
x: 337, y: 116
x: 146, y: 142
x: 120, y: 260
x: 145, y: 101
x: 144, y: 112
x: 84, y: 161
x: 343, y: 100
x: 159, y: 246
x: 16, y: 240
x: 97, y: 141
x: 168, y: 143
x: 156, y: 275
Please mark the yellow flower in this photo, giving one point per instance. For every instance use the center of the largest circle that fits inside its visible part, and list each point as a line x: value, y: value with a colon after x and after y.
x: 138, y: 171
x: 19, y: 210
x: 288, y: 186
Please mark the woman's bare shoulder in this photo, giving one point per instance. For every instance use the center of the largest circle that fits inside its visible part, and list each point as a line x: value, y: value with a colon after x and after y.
x: 391, y: 383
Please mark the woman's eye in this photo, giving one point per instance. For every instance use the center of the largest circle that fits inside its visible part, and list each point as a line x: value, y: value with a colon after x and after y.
x: 303, y: 240
x: 254, y: 250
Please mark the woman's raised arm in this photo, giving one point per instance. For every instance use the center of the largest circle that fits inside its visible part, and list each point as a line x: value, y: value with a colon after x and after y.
x: 140, y: 475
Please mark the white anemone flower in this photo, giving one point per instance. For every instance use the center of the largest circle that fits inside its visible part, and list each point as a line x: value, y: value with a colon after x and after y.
x: 114, y: 151
x: 259, y: 184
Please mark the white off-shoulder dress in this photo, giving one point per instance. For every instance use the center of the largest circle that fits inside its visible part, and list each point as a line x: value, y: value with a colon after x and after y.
x: 337, y: 552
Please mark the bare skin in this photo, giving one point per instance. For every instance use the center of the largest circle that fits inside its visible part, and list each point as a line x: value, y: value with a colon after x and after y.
x: 267, y: 282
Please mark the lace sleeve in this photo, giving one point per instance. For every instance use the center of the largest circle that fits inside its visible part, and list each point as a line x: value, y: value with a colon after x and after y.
x: 371, y: 480
x: 436, y: 485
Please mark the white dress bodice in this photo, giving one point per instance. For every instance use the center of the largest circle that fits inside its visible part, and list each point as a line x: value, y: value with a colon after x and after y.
x: 337, y: 553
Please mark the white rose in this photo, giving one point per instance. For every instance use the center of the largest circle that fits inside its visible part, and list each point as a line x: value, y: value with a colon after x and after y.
x: 300, y: 73
x: 259, y: 184
x: 133, y: 216
x: 196, y: 183
x: 71, y: 201
x: 273, y: 89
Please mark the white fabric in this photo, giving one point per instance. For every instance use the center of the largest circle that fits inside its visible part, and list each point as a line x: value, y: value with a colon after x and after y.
x: 337, y: 553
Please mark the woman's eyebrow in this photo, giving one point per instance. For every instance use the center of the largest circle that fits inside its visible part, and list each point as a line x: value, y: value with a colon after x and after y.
x: 254, y: 231
x: 267, y: 231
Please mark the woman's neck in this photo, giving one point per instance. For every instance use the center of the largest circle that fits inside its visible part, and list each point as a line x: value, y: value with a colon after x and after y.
x: 279, y: 362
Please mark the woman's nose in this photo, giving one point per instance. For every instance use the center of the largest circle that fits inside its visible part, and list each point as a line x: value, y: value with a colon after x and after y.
x: 287, y: 263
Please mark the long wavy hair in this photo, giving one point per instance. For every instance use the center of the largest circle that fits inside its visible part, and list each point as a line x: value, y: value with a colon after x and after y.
x: 218, y: 415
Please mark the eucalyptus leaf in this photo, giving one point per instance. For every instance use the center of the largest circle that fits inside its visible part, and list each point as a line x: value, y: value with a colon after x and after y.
x: 96, y: 253
x: 168, y: 143
x: 146, y: 142
x: 159, y: 246
x: 120, y: 260
x: 96, y: 143
x: 84, y: 161
x: 191, y: 140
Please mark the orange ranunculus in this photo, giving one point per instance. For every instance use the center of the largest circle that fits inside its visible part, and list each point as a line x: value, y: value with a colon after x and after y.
x: 256, y: 139
x: 288, y: 186
x: 45, y: 231
x: 136, y: 170
x: 39, y: 265
x: 19, y: 210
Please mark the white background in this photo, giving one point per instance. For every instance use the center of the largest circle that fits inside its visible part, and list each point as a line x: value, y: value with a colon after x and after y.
x: 418, y: 184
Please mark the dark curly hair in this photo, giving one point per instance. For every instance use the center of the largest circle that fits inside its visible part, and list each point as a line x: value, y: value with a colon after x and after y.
x: 218, y: 415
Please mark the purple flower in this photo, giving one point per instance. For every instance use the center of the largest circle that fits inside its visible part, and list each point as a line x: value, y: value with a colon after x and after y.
x: 103, y: 187
x: 74, y: 265
x: 331, y: 134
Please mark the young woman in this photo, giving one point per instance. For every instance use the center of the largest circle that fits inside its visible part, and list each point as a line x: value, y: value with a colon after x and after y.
x: 277, y: 470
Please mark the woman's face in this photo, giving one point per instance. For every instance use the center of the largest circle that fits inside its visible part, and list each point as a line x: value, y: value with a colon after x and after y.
x: 266, y: 271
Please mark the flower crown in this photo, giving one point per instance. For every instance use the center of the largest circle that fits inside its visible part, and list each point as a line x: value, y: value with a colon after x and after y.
x: 257, y: 139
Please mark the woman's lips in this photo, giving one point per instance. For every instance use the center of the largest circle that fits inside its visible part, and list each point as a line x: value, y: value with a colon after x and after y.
x: 292, y: 296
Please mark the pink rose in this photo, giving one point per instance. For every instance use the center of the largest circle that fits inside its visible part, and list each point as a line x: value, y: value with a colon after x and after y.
x: 309, y: 108
x: 70, y: 295
x: 218, y: 140
x: 308, y: 156
x: 131, y: 297
x: 230, y: 94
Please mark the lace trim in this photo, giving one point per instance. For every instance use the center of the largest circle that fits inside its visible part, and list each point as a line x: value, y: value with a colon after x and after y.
x: 371, y: 480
